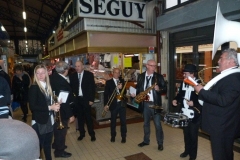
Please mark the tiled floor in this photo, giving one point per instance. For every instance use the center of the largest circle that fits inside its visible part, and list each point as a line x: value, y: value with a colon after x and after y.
x: 103, y: 149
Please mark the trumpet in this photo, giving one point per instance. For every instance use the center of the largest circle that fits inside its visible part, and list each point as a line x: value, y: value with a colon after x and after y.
x: 58, y: 114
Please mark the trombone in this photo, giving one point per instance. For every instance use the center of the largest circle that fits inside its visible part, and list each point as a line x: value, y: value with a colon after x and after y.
x: 110, y: 101
x: 114, y: 94
x: 58, y: 114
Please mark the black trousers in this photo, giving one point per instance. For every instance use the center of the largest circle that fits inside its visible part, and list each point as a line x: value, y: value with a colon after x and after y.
x: 222, y: 146
x: 24, y: 108
x: 191, y: 138
x: 60, y: 137
x: 122, y: 114
x: 83, y: 110
x: 45, y: 141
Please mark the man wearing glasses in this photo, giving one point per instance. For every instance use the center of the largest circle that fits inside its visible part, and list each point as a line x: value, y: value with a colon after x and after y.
x: 145, y: 80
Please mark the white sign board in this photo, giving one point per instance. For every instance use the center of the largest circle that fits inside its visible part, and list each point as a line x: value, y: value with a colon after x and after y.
x: 113, y: 9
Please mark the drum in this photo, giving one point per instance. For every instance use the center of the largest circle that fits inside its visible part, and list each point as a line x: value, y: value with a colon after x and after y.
x: 176, y: 119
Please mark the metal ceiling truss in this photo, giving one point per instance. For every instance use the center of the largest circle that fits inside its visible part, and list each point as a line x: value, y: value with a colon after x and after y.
x: 30, y: 9
x: 30, y: 28
x: 34, y: 25
x: 56, y: 7
x: 29, y: 20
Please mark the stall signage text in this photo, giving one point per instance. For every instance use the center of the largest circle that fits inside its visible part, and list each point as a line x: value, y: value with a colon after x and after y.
x: 113, y: 9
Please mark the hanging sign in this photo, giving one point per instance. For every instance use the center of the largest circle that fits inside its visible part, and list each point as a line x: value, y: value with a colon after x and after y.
x: 113, y: 9
x: 151, y: 49
x: 127, y: 62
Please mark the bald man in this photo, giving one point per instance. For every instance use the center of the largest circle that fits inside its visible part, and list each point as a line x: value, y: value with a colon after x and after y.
x: 83, y: 87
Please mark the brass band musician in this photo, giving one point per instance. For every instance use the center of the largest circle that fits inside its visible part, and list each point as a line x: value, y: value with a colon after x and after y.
x: 117, y: 106
x: 40, y: 95
x: 188, y: 100
x: 59, y: 83
x: 220, y: 112
x: 145, y: 80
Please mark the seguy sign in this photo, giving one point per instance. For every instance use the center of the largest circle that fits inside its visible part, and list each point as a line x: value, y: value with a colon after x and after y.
x: 113, y: 9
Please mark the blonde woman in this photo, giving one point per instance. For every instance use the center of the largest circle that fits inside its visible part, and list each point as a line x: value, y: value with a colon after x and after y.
x: 40, y: 103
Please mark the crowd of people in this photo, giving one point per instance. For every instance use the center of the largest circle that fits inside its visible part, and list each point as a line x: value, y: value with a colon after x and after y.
x: 67, y: 97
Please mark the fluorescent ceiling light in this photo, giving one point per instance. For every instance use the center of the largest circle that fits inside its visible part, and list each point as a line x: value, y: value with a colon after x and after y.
x: 25, y: 29
x: 24, y: 15
x: 128, y: 55
x: 53, y: 31
x: 25, y: 41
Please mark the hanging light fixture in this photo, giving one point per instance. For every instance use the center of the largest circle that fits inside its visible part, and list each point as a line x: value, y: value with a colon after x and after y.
x: 24, y: 15
x: 2, y: 28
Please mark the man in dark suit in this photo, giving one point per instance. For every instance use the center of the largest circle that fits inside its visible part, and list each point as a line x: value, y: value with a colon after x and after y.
x: 145, y: 80
x: 118, y: 106
x: 221, y: 107
x: 83, y: 86
x: 59, y: 84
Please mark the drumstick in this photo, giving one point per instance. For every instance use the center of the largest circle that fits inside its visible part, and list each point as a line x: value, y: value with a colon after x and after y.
x: 193, y: 107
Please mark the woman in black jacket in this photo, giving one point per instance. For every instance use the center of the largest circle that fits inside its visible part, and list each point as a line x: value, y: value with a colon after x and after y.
x: 20, y: 84
x: 42, y: 107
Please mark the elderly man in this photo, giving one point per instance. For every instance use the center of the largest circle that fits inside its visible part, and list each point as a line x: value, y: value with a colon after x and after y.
x: 83, y: 86
x: 221, y: 107
x: 59, y: 84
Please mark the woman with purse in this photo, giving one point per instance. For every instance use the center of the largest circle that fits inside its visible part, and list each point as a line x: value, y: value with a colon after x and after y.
x: 40, y: 103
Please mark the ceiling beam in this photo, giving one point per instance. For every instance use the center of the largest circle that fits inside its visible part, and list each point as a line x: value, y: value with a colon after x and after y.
x: 55, y: 6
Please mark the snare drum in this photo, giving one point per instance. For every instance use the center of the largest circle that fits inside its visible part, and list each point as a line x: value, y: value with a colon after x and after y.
x: 176, y: 119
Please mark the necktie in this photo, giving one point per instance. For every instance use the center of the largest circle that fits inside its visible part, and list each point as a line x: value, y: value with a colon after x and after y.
x: 147, y: 81
x: 79, y: 79
x: 117, y: 81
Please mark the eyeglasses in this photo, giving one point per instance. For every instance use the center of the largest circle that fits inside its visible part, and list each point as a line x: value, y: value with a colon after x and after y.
x: 151, y: 65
